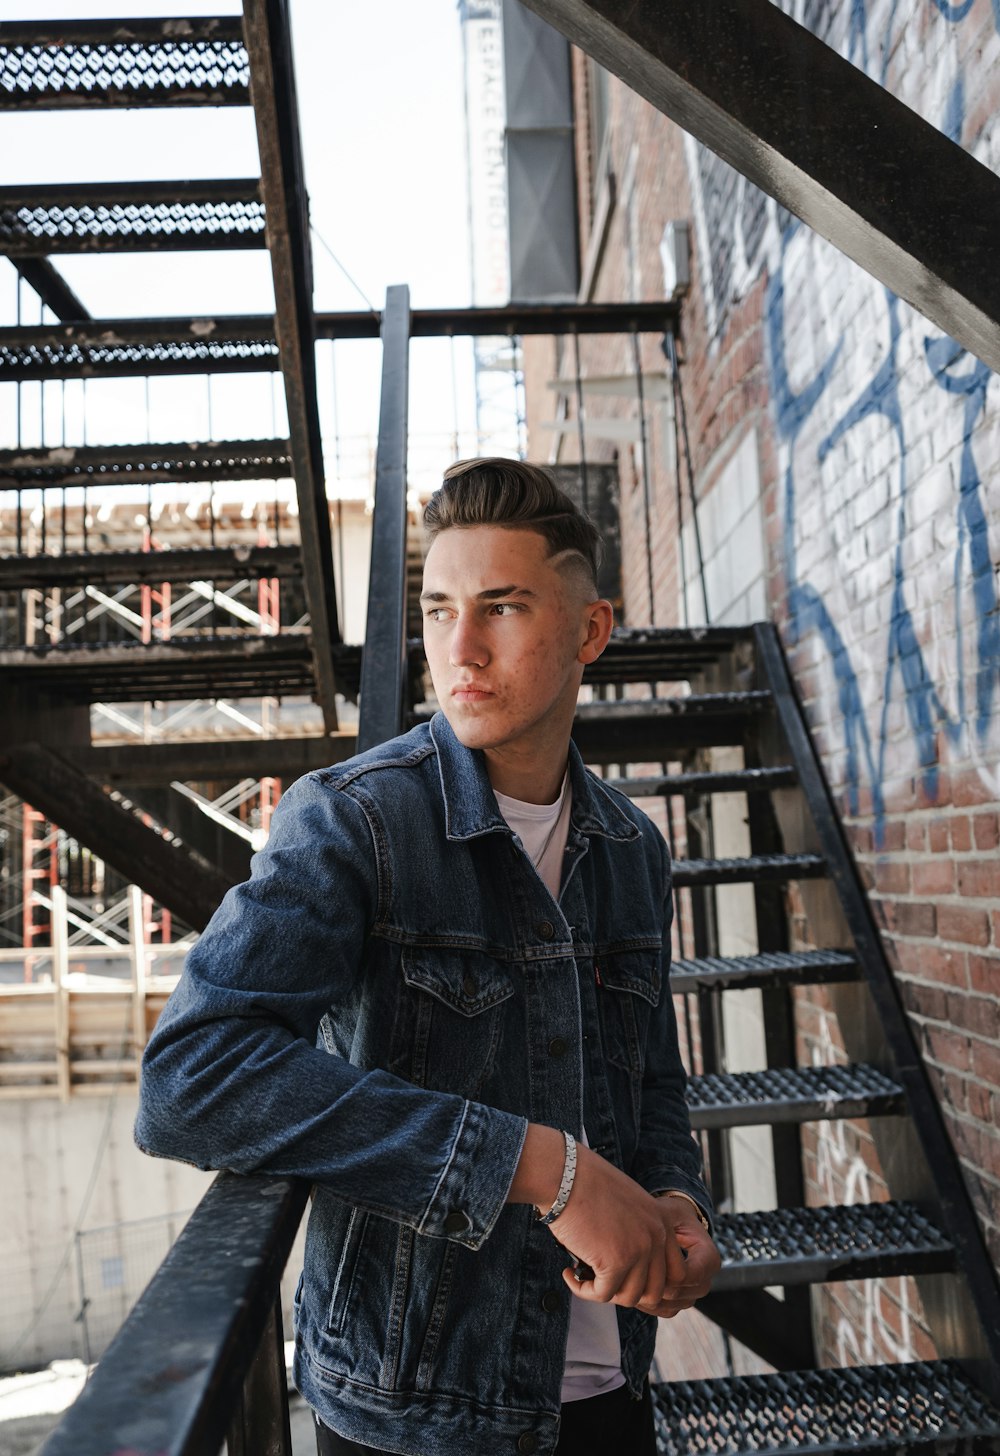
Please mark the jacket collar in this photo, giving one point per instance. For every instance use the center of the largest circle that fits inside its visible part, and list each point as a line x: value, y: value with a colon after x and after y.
x: 470, y: 805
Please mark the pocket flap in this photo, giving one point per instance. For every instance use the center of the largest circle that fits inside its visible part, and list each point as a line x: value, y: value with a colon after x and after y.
x: 467, y: 981
x: 637, y: 972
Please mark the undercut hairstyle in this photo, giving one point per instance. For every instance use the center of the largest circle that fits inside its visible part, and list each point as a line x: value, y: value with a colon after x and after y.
x: 518, y: 496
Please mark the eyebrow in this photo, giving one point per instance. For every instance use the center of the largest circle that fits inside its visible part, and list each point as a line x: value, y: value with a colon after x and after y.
x: 491, y: 594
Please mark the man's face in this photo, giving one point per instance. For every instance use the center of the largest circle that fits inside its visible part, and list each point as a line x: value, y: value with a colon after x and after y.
x: 505, y: 632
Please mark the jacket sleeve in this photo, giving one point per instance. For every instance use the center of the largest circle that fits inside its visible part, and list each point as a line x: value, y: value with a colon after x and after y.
x: 668, y: 1156
x: 233, y: 1078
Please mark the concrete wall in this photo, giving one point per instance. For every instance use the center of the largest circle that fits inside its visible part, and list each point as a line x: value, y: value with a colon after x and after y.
x: 87, y: 1220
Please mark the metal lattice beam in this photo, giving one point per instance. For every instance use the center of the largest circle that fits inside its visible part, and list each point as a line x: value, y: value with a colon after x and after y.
x: 272, y: 90
x: 836, y: 149
x: 135, y: 568
x: 181, y: 880
x: 208, y: 461
x: 115, y: 217
x: 197, y: 61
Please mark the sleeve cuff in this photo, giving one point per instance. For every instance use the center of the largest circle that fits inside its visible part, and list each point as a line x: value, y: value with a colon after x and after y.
x: 473, y: 1187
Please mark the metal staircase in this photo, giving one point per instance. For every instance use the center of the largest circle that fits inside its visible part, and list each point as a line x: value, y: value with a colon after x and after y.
x: 731, y: 687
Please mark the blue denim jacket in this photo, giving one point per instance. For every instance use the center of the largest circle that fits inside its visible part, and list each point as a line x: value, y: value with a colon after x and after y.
x: 381, y: 1009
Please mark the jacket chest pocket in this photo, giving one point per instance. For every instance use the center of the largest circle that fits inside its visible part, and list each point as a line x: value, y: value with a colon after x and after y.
x: 450, y: 1016
x: 629, y: 993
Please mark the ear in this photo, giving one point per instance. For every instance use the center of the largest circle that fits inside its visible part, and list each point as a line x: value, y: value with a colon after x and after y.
x: 598, y: 620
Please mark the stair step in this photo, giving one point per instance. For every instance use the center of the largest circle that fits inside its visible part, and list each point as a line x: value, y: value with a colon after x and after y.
x: 113, y: 217
x: 740, y: 780
x: 648, y: 730
x: 132, y: 568
x: 756, y: 868
x: 195, y: 667
x: 764, y: 971
x: 918, y: 1407
x: 127, y: 347
x: 825, y: 1245
x: 664, y: 654
x: 209, y: 460
x: 694, y: 705
x: 200, y: 61
x: 791, y: 1094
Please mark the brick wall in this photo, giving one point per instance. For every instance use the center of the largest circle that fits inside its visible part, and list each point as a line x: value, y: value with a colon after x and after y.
x: 879, y: 473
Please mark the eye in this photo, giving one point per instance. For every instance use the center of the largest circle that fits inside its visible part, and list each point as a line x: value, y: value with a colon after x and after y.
x: 506, y: 609
x: 435, y: 614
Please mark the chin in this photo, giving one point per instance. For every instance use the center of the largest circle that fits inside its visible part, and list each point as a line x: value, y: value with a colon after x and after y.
x: 472, y: 732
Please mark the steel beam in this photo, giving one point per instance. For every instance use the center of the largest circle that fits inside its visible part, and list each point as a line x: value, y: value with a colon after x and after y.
x: 212, y: 761
x: 384, y: 664
x: 123, y: 568
x: 832, y: 146
x: 272, y: 91
x: 512, y: 319
x: 207, y: 460
x: 51, y: 287
x: 178, y: 61
x: 112, y: 217
x: 180, y: 879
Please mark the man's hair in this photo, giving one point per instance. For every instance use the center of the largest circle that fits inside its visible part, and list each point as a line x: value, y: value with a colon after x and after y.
x: 518, y: 496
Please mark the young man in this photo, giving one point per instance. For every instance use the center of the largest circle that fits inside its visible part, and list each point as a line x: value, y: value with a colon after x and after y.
x: 442, y: 998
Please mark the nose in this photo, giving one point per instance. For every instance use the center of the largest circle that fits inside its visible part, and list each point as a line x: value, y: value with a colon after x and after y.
x: 467, y: 646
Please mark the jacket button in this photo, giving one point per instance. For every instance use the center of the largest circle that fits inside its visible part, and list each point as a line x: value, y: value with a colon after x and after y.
x: 457, y: 1222
x: 558, y: 1047
x: 527, y: 1444
x: 546, y: 930
x: 551, y: 1301
x: 469, y: 987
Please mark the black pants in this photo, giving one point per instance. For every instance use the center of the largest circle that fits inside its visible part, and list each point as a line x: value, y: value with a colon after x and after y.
x: 606, y: 1425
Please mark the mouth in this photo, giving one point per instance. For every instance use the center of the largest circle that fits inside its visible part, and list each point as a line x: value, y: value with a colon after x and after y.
x: 469, y: 693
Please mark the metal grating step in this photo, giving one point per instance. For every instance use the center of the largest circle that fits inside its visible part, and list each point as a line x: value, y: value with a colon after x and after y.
x: 921, y: 1407
x: 128, y: 347
x: 663, y: 654
x: 823, y: 1245
x: 131, y: 216
x: 201, y: 61
x: 766, y: 970
x: 741, y: 781
x: 756, y: 868
x: 185, y: 563
x: 209, y: 460
x: 791, y: 1094
x: 649, y: 730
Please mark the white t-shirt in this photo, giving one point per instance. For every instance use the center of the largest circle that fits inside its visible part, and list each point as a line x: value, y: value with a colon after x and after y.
x: 593, y: 1350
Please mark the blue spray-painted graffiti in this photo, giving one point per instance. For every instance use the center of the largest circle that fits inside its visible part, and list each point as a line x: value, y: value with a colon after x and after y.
x: 926, y: 711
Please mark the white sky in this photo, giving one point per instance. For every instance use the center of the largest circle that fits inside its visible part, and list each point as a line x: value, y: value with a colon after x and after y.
x: 381, y: 111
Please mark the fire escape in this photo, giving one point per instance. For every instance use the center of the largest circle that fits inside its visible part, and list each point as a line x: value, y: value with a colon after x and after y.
x: 661, y: 702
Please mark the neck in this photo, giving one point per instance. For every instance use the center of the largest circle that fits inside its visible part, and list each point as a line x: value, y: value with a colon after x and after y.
x: 531, y: 782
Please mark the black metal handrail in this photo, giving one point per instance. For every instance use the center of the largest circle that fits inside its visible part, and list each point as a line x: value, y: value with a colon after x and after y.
x: 204, y: 1347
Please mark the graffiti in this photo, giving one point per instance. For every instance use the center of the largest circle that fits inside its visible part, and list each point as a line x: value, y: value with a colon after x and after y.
x: 859, y: 387
x: 842, y: 1177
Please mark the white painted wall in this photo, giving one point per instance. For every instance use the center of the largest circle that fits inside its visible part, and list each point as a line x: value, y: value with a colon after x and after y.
x: 732, y: 543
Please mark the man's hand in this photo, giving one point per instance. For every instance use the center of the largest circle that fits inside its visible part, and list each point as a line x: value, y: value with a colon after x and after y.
x: 640, y: 1248
x: 702, y: 1259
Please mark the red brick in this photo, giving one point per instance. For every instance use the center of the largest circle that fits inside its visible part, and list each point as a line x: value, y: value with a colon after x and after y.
x: 978, y: 1014
x: 984, y: 974
x: 916, y: 836
x: 929, y: 1001
x: 936, y: 877
x: 980, y: 877
x: 963, y: 923
x: 933, y: 963
x: 948, y: 1047
x: 967, y: 788
x: 938, y: 839
x: 986, y: 831
x: 892, y: 877
x: 910, y: 918
x: 986, y: 1062
x: 893, y: 835
x: 960, y: 832
x: 980, y: 1102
